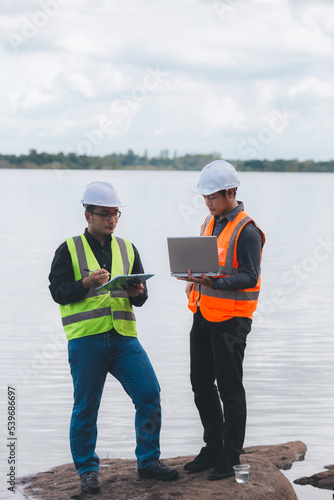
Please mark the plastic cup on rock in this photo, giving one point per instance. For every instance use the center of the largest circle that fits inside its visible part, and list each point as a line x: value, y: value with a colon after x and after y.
x: 241, y: 473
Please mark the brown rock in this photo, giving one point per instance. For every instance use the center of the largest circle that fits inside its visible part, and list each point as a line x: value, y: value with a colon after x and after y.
x: 281, y: 455
x: 119, y: 480
x: 323, y: 480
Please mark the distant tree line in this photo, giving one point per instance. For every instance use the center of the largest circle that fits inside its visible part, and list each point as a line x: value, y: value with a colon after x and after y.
x: 164, y: 161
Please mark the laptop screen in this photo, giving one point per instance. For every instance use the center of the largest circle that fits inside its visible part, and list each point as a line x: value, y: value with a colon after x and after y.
x: 198, y: 253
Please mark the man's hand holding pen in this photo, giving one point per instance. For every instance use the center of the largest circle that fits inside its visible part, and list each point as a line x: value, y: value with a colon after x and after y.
x: 101, y: 276
x: 96, y: 278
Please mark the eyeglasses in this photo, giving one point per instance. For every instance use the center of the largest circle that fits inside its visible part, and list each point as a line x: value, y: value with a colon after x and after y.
x: 107, y: 217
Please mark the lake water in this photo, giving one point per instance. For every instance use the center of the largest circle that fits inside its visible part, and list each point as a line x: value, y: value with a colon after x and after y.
x: 289, y: 369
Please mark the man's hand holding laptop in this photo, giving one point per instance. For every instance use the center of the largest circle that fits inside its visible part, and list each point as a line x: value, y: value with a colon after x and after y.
x: 204, y: 280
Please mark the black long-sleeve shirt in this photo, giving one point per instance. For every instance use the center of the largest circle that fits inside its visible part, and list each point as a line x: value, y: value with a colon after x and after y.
x: 249, y: 248
x: 65, y: 290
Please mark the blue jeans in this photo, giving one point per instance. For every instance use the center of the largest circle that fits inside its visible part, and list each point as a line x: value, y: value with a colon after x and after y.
x: 91, y: 358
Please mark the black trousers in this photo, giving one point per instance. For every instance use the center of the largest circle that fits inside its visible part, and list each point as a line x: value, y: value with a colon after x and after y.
x: 216, y: 355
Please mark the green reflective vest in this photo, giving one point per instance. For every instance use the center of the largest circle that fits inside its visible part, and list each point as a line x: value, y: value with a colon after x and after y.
x: 101, y: 311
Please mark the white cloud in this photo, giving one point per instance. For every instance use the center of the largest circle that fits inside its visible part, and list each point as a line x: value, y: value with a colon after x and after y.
x: 34, y: 98
x: 216, y: 112
x: 226, y: 73
x: 80, y: 82
x: 111, y: 78
x: 311, y: 84
x: 267, y: 90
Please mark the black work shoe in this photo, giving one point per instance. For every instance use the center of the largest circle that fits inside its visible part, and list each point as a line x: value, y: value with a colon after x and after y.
x: 90, y: 482
x: 206, y: 459
x: 158, y: 470
x: 224, y: 468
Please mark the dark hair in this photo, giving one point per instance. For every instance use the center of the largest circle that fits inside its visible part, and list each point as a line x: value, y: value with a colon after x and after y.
x: 223, y: 192
x: 89, y: 208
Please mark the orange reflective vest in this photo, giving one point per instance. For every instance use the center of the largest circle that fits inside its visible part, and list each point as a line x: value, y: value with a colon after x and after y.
x: 221, y: 305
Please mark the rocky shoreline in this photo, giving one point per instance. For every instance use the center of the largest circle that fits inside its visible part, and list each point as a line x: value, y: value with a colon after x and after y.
x: 323, y: 480
x: 119, y: 480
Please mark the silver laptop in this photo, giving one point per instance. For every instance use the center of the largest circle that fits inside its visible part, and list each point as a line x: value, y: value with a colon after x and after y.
x: 198, y: 253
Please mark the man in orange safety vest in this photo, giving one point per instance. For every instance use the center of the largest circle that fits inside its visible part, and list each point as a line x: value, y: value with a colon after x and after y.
x: 223, y: 308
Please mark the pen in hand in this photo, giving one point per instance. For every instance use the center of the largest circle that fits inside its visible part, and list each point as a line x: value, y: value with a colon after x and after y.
x: 92, y: 270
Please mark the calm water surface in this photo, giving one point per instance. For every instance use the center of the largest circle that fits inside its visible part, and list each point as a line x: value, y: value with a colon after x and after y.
x: 289, y: 369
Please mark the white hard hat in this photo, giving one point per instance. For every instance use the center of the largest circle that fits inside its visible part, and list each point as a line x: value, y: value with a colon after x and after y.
x: 216, y: 176
x: 101, y: 194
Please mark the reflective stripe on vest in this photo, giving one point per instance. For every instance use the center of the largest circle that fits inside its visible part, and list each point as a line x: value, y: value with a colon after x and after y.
x: 99, y: 311
x: 237, y: 295
x: 220, y: 305
x: 85, y: 315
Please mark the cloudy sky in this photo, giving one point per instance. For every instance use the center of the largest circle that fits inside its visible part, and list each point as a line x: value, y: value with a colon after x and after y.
x: 244, y: 78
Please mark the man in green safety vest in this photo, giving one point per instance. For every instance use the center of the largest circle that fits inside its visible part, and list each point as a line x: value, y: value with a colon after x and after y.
x: 102, y: 336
